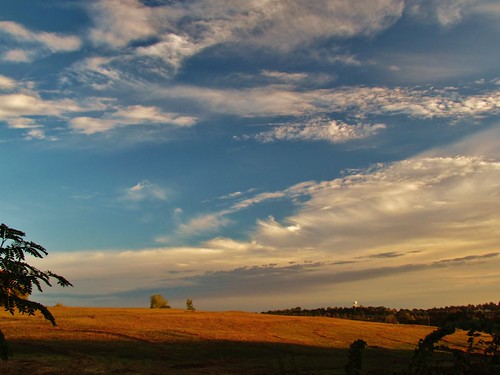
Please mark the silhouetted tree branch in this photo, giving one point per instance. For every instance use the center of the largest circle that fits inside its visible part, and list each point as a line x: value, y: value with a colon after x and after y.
x: 18, y: 278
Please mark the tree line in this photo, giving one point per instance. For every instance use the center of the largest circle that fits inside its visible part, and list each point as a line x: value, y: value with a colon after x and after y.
x: 435, y: 316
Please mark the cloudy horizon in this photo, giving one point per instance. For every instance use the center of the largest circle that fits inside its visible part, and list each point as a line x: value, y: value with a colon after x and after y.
x: 255, y: 155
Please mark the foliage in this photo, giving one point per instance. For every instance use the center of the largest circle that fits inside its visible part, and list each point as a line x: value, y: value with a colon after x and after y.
x: 437, y: 316
x: 355, y: 356
x: 18, y: 278
x: 189, y: 305
x: 479, y: 358
x: 158, y: 302
x: 421, y: 361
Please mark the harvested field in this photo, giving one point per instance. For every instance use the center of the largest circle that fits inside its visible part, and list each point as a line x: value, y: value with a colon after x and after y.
x: 148, y: 341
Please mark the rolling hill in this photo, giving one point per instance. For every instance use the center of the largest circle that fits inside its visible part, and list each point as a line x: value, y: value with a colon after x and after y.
x: 170, y: 341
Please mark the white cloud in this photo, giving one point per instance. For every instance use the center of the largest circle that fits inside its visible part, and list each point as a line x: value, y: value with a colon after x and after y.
x: 203, y: 224
x: 22, y: 123
x: 172, y: 49
x: 35, y: 134
x: 260, y: 101
x: 414, y: 102
x: 279, y: 24
x: 130, y: 115
x: 30, y: 103
x: 285, y: 77
x: 358, y: 101
x: 437, y: 204
x: 119, y: 22
x: 6, y: 83
x: 92, y: 125
x: 19, y: 106
x: 18, y: 55
x: 259, y: 198
x: 320, y: 130
x: 52, y: 41
x: 145, y: 190
x: 183, y: 30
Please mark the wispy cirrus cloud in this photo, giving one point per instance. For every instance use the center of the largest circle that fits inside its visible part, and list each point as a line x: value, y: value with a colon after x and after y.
x: 130, y: 115
x: 171, y: 33
x: 358, y: 101
x: 259, y: 22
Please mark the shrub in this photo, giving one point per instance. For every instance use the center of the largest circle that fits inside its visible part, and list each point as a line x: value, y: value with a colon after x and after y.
x: 158, y: 302
x: 189, y: 305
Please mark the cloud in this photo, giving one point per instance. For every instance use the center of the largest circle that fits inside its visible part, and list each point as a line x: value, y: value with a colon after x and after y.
x: 161, y: 37
x: 52, y: 41
x: 172, y: 49
x: 258, y: 198
x: 489, y: 9
x: 203, y: 224
x: 447, y: 12
x: 6, y: 83
x: 116, y: 23
x: 130, y: 115
x: 145, y: 190
x: 30, y: 103
x: 413, y: 102
x: 170, y: 33
x: 320, y: 130
x: 278, y: 24
x: 415, y: 203
x: 285, y: 77
x: 359, y: 102
x: 273, y: 100
x: 428, y: 225
x: 18, y: 55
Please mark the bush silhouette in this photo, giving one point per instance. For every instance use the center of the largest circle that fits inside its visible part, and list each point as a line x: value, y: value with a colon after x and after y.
x: 158, y: 302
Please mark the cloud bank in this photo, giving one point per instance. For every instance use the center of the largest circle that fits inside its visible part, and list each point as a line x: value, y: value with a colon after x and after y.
x: 435, y: 217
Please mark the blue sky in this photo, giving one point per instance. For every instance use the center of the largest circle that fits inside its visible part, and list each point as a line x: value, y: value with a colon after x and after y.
x: 255, y: 154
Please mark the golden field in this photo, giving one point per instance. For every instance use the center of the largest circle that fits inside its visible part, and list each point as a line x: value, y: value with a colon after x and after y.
x: 170, y: 341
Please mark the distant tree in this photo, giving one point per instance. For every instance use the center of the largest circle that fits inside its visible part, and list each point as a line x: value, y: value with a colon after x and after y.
x: 189, y: 305
x: 18, y: 278
x: 158, y: 302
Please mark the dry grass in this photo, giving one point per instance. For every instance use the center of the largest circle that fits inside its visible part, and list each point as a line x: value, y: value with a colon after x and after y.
x: 146, y: 341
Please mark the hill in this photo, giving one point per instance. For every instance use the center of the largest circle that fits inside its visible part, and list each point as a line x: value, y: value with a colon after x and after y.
x: 150, y: 341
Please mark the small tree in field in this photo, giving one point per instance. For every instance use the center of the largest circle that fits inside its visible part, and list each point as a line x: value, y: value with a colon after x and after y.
x: 189, y: 305
x: 158, y: 302
x: 18, y: 278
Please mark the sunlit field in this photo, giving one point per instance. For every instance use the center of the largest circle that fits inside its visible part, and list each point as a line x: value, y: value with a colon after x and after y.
x: 170, y: 341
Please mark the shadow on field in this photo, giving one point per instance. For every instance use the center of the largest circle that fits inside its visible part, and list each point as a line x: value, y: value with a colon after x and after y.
x: 196, y: 357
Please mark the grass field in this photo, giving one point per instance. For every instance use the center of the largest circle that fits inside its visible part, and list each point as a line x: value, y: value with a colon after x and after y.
x: 169, y: 341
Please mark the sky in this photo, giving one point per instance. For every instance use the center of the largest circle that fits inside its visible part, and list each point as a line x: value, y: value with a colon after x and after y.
x: 255, y: 155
